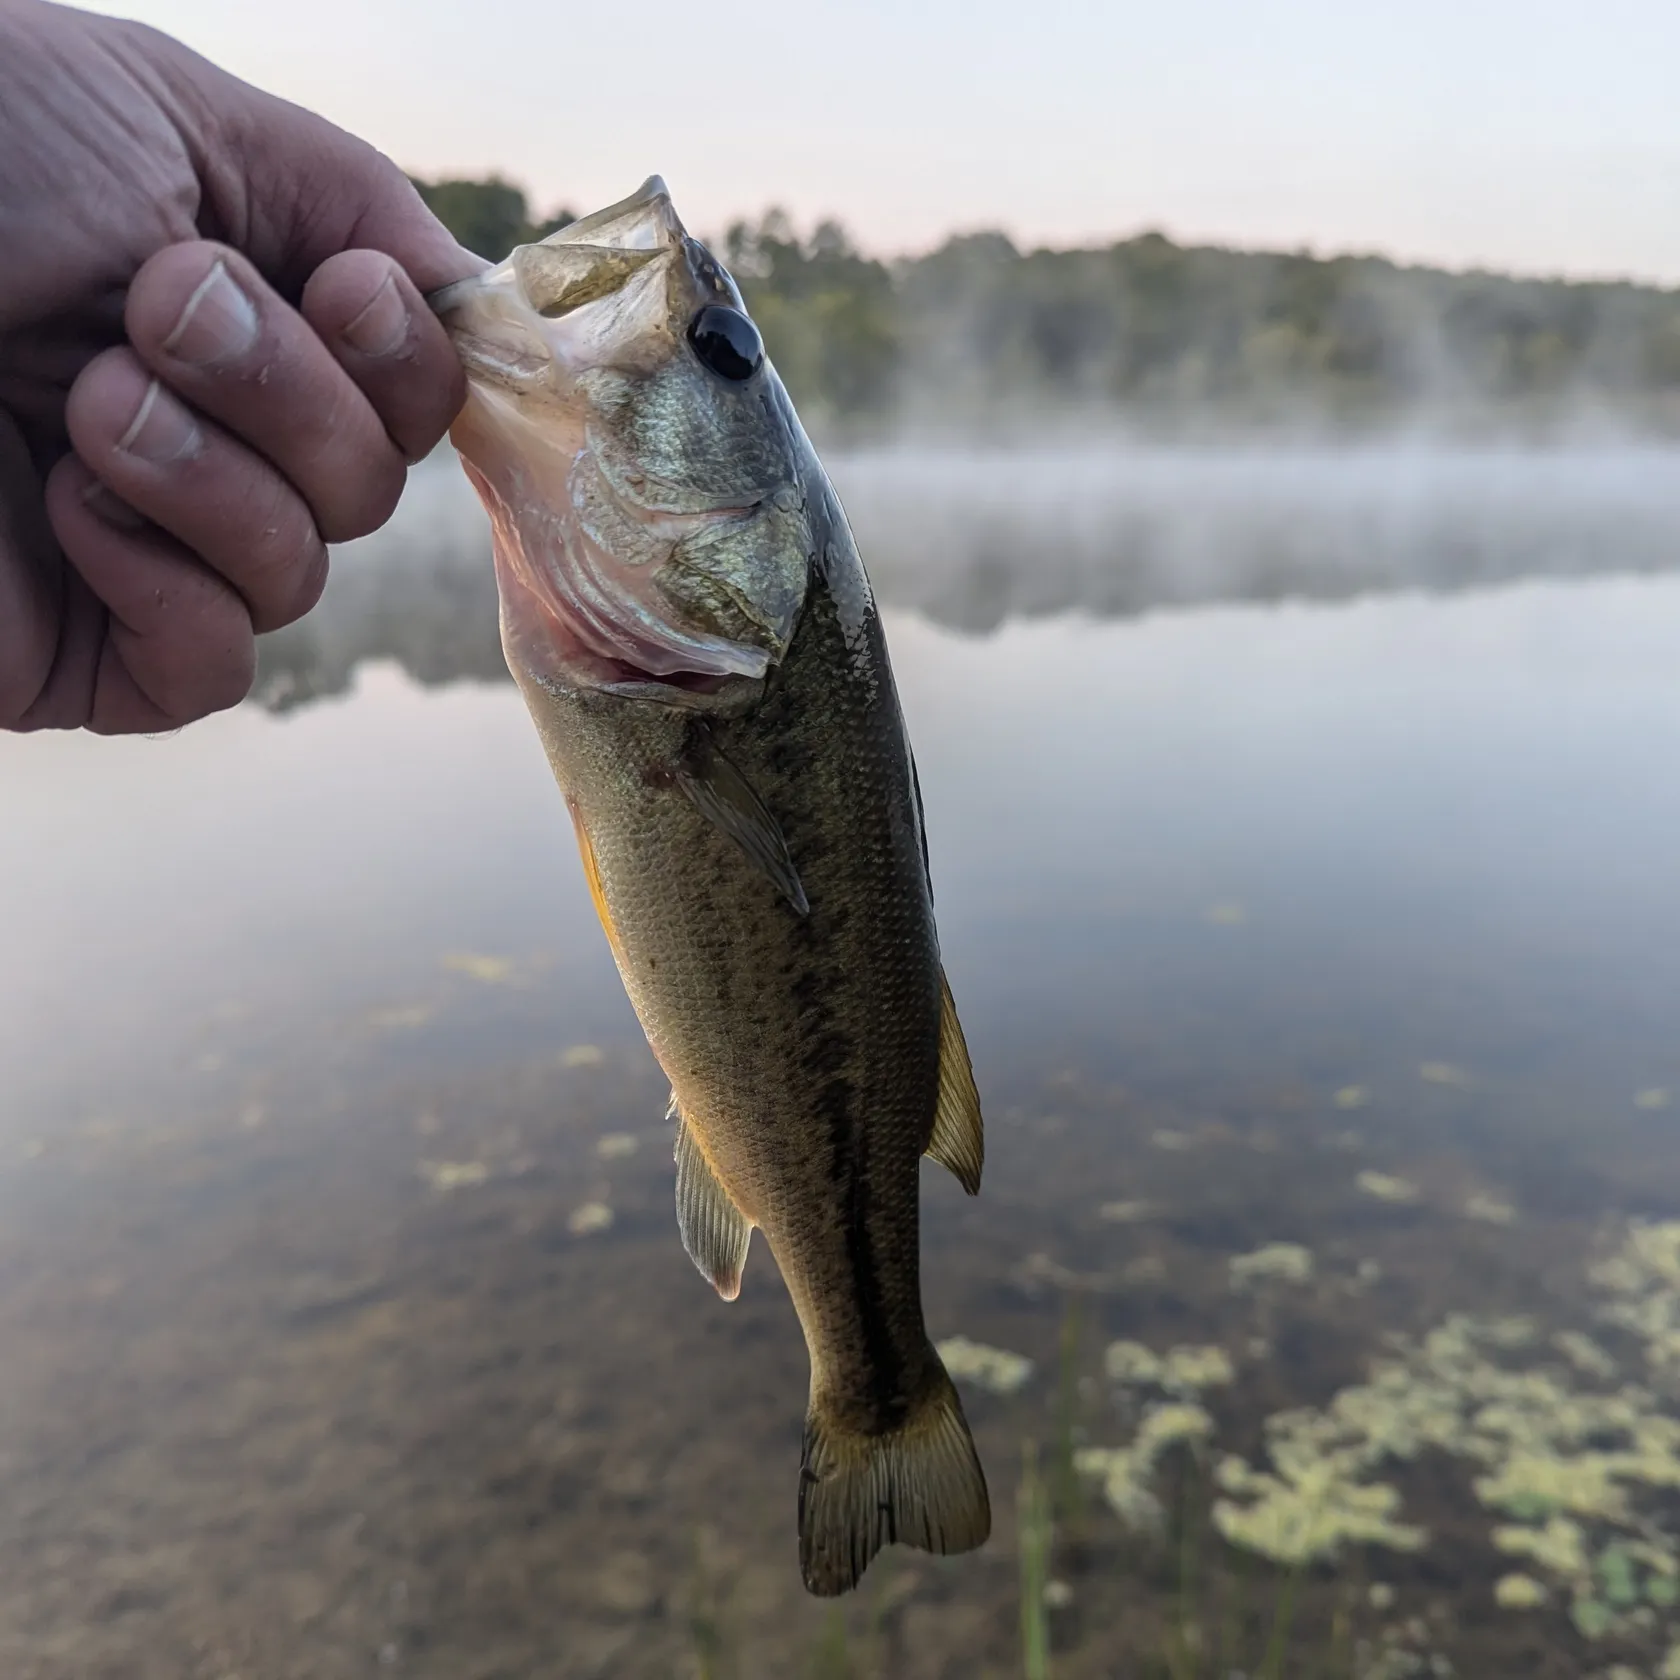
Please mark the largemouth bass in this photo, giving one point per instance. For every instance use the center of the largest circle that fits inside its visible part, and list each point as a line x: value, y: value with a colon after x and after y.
x: 685, y: 612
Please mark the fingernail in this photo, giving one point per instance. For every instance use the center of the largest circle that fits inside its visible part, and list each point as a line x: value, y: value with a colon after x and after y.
x: 112, y: 510
x: 218, y: 323
x: 162, y: 431
x: 382, y: 328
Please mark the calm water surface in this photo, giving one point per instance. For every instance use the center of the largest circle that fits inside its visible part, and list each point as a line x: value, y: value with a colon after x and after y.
x: 345, y: 1324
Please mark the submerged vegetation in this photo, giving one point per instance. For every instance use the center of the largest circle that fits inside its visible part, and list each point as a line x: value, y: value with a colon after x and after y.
x: 982, y: 334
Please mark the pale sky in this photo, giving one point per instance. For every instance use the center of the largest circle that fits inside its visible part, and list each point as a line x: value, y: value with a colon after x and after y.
x: 1536, y: 135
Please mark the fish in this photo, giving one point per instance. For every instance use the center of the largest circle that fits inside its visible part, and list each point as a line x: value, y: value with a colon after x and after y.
x: 685, y: 612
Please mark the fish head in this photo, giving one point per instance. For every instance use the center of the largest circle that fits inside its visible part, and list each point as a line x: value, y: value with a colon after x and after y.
x: 639, y: 460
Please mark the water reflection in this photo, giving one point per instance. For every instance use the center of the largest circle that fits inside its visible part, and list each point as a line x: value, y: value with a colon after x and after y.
x: 972, y: 541
x: 1318, y: 961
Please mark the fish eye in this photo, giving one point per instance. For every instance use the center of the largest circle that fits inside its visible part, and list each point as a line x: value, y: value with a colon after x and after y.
x: 726, y: 341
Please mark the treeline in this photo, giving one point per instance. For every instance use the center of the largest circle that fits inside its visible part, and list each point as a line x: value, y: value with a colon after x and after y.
x: 982, y: 336
x: 488, y: 217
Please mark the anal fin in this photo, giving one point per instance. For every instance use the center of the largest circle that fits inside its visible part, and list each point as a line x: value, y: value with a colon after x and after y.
x: 714, y: 1231
x: 958, y: 1141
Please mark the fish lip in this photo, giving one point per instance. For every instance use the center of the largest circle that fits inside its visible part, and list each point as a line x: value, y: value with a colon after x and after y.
x: 648, y: 210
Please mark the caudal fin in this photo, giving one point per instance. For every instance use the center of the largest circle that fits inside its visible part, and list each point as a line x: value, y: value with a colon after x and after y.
x: 921, y: 1486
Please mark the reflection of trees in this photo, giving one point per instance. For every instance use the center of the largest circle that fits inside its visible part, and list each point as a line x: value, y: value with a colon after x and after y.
x: 972, y: 541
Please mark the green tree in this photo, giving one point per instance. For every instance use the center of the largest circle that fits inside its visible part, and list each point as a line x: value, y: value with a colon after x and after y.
x: 488, y: 217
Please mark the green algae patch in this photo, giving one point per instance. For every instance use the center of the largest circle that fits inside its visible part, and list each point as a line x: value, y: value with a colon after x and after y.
x: 1585, y: 1355
x: 1309, y: 1514
x: 996, y: 1370
x: 1519, y: 1592
x: 1491, y: 1210
x: 1387, y: 1187
x: 1277, y: 1262
x: 1128, y: 1473
x: 1642, y: 1279
x: 1574, y: 1467
x: 1170, y: 1419
x: 1184, y: 1369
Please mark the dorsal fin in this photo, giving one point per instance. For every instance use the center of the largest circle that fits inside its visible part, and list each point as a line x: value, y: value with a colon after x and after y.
x: 957, y: 1141
x: 714, y: 1231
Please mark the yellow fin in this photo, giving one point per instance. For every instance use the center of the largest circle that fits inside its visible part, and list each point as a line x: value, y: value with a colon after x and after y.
x: 958, y: 1141
x: 714, y: 1231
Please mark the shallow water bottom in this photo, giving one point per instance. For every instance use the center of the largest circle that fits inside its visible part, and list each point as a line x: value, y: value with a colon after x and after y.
x: 422, y: 1382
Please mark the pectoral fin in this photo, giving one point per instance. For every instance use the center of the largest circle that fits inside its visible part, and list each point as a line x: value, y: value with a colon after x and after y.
x: 714, y: 1231
x: 725, y: 797
x: 957, y: 1141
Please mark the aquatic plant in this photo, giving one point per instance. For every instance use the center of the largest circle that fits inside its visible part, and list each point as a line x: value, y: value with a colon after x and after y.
x: 1277, y: 1262
x: 590, y: 1218
x: 1309, y: 1514
x: 1034, y: 1523
x: 444, y: 1176
x: 1519, y: 1592
x: 1568, y: 1468
x: 1128, y: 1473
x: 1126, y: 1213
x: 1585, y: 1354
x: 994, y: 1369
x: 1492, y: 1210
x: 488, y: 971
x: 1444, y: 1073
x: 1182, y: 1369
x: 832, y: 1657
x: 1643, y: 1280
x: 1387, y: 1187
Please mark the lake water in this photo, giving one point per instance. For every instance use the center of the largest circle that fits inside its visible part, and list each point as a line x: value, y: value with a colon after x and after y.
x: 1305, y: 835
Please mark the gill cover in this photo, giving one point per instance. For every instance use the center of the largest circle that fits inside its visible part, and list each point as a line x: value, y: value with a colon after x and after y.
x: 636, y: 455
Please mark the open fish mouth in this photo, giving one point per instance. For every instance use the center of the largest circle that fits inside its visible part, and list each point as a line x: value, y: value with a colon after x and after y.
x: 633, y: 543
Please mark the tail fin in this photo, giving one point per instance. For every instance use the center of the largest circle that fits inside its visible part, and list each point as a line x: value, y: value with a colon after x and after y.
x: 921, y: 1485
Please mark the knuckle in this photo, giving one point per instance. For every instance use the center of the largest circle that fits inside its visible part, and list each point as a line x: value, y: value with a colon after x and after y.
x: 284, y: 569
x: 212, y: 672
x: 365, y: 500
x: 230, y: 681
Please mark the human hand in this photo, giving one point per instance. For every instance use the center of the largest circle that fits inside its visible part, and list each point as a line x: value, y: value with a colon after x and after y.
x: 214, y: 360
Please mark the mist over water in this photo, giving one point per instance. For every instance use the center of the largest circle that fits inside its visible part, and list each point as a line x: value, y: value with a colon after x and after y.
x: 971, y: 537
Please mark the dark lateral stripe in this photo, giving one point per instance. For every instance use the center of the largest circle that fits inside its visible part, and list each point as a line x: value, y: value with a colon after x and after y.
x: 828, y: 1053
